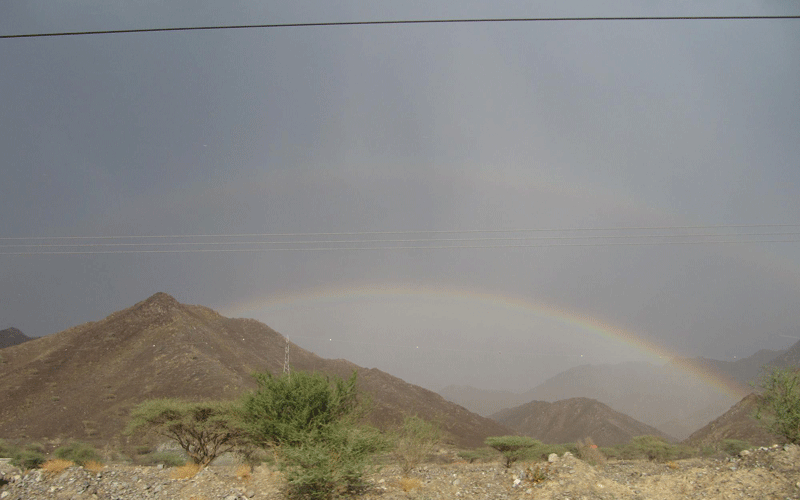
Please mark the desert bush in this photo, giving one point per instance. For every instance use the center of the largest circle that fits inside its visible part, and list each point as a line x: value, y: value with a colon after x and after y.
x: 331, y: 464
x: 589, y: 452
x: 244, y: 472
x: 29, y: 456
x: 779, y: 406
x: 655, y: 448
x: 612, y: 452
x: 285, y: 410
x: 734, y: 446
x: 512, y: 448
x: 186, y: 471
x: 165, y: 458
x: 56, y: 466
x: 93, y: 466
x: 313, y: 424
x: 204, y: 430
x: 414, y: 441
x: 408, y: 483
x: 478, y: 454
x: 77, y: 452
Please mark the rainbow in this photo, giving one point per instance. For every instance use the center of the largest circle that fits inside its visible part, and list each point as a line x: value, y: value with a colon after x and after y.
x: 591, y: 325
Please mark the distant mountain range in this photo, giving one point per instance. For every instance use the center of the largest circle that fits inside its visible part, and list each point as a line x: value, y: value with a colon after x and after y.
x: 12, y: 336
x: 82, y: 383
x: 675, y: 398
x: 569, y: 420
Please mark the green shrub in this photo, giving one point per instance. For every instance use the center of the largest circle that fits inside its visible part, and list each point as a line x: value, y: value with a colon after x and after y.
x: 734, y: 446
x: 165, y: 458
x: 286, y: 410
x: 77, y: 452
x: 29, y: 456
x: 7, y: 449
x: 655, y: 448
x: 414, y: 441
x: 330, y: 465
x: 779, y: 406
x: 478, y: 454
x: 513, y: 448
x: 612, y: 452
x: 313, y: 424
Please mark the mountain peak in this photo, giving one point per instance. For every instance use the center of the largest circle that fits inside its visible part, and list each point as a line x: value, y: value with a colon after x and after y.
x: 12, y: 336
x: 163, y: 299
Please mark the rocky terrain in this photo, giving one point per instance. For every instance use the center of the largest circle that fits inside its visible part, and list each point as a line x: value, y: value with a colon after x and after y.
x: 764, y: 473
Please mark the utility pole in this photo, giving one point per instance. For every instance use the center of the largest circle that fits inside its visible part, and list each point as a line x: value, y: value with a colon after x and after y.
x: 286, y: 368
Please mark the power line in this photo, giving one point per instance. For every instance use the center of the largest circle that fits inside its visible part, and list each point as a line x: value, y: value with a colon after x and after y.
x: 417, y: 240
x: 410, y: 247
x: 444, y: 231
x: 402, y: 22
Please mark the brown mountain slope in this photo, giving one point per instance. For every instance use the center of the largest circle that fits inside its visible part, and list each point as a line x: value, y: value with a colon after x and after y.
x: 12, y: 336
x: 655, y: 395
x: 568, y: 420
x: 82, y: 382
x: 736, y: 423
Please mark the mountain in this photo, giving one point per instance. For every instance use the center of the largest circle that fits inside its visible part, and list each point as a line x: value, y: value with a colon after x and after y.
x: 656, y: 395
x: 572, y: 419
x: 12, y: 336
x: 83, y: 382
x: 737, y: 423
x: 481, y: 401
x: 790, y: 357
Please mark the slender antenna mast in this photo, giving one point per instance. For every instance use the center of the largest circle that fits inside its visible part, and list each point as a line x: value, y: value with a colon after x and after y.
x: 286, y: 368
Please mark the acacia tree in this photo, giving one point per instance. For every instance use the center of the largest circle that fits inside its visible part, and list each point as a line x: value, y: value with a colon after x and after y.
x: 204, y: 430
x: 512, y: 447
x: 779, y: 407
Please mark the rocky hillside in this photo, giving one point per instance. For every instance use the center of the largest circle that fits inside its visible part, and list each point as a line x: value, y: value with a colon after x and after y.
x: 736, y: 423
x: 12, y: 336
x: 83, y: 382
x: 572, y: 419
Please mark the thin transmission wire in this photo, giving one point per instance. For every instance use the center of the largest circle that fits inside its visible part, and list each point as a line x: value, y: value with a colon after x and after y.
x: 412, y: 240
x: 410, y: 247
x: 401, y: 22
x: 368, y: 233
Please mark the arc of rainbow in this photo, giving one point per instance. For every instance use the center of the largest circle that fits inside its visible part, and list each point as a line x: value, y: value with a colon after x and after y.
x: 586, y: 323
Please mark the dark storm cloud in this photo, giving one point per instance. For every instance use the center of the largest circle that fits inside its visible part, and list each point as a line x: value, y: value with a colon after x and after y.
x: 405, y: 128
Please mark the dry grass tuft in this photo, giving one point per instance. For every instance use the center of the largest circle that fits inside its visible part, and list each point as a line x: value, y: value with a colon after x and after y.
x: 243, y: 472
x: 187, y: 471
x: 590, y: 453
x: 408, y: 483
x: 56, y: 465
x: 93, y: 466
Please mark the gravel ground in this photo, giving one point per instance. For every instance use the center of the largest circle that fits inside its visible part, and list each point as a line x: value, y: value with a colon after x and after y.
x: 765, y: 473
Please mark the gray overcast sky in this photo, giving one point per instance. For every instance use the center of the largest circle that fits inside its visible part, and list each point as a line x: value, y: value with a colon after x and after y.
x: 410, y: 128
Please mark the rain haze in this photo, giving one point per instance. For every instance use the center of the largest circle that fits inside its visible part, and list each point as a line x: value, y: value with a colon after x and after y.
x: 476, y: 203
